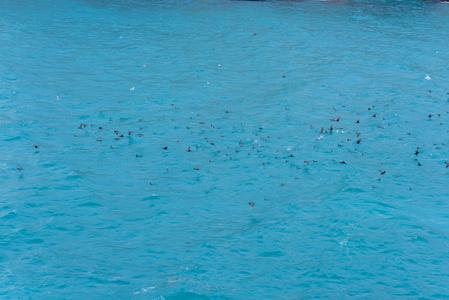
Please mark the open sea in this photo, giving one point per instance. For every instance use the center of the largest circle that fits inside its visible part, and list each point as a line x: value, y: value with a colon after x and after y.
x: 218, y: 149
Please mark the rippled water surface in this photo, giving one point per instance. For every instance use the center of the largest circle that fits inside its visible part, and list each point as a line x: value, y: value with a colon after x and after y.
x: 224, y: 149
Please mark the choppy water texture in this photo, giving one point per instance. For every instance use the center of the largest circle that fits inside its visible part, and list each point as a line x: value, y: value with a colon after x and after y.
x: 280, y: 206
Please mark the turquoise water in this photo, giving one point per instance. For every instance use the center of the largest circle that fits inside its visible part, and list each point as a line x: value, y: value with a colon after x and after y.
x: 252, y: 88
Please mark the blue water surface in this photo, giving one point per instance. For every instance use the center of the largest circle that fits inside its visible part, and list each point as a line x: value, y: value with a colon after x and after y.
x: 214, y: 149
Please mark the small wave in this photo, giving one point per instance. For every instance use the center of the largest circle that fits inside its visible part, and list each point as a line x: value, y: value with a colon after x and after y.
x: 144, y: 290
